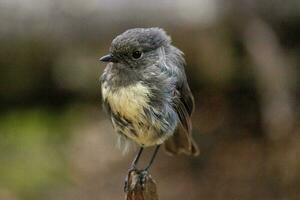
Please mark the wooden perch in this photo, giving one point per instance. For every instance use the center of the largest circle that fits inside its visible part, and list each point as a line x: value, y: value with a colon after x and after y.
x: 139, y: 191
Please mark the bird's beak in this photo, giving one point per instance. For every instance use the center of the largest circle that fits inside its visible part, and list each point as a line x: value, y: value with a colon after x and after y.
x: 108, y: 58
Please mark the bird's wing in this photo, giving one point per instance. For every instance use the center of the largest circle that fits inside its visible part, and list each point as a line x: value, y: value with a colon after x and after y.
x: 183, y: 98
x: 184, y: 105
x: 182, y: 141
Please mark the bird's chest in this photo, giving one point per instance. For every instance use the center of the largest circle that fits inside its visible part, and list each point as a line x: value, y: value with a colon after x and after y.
x: 128, y: 101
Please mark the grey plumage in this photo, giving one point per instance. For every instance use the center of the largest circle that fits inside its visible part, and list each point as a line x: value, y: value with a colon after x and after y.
x: 148, y: 98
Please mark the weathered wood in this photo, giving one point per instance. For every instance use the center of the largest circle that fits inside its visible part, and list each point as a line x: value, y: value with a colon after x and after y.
x: 137, y: 191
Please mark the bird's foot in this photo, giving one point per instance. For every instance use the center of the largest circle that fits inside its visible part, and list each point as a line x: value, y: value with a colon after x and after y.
x: 142, y: 177
x: 126, y: 185
x: 135, y: 179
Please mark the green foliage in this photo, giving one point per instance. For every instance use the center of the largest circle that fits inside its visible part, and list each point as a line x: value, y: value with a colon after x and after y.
x: 31, y: 155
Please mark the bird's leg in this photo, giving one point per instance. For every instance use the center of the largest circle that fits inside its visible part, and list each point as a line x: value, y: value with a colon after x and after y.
x: 133, y: 167
x: 152, y: 158
x: 144, y: 172
x: 136, y: 159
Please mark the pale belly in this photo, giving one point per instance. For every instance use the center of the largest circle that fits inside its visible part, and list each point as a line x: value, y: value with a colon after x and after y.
x: 129, y: 103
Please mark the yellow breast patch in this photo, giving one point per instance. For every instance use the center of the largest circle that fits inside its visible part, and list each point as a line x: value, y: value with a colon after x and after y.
x: 128, y: 101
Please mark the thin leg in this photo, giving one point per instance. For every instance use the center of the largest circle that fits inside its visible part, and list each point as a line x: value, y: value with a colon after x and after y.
x: 144, y: 173
x: 132, y: 168
x: 152, y: 158
x: 137, y: 157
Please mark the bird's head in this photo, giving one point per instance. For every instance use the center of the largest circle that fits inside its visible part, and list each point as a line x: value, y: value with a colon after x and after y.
x: 138, y: 47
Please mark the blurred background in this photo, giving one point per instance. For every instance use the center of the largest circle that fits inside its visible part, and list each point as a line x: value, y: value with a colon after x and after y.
x: 243, y: 67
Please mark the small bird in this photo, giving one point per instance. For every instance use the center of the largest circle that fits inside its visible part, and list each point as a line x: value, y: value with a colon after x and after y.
x: 146, y: 94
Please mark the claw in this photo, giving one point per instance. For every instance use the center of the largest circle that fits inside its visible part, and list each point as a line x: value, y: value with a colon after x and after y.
x: 142, y: 178
x: 126, y: 185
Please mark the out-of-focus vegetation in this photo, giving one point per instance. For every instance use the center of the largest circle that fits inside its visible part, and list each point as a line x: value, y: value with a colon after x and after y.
x: 243, y: 67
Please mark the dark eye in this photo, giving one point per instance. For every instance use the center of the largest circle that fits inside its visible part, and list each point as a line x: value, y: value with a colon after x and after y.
x: 136, y: 54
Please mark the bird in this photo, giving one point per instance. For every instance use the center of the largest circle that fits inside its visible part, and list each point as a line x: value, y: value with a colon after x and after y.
x: 146, y: 95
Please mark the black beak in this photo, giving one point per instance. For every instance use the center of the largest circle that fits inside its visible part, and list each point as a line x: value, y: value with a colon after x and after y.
x: 108, y: 58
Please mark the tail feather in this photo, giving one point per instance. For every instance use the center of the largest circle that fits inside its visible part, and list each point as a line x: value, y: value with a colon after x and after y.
x: 181, y: 142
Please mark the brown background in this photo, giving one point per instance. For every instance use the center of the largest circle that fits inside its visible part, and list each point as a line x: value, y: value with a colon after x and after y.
x: 243, y: 68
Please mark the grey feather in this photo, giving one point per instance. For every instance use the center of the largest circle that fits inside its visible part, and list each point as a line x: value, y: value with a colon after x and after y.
x: 160, y: 70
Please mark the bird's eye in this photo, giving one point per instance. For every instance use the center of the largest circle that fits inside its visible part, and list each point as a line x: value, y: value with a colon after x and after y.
x: 136, y: 54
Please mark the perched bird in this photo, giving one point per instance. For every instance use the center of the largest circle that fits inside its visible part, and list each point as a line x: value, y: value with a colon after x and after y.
x: 146, y: 93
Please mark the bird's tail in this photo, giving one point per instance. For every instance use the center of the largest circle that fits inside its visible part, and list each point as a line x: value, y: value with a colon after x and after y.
x: 181, y: 142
